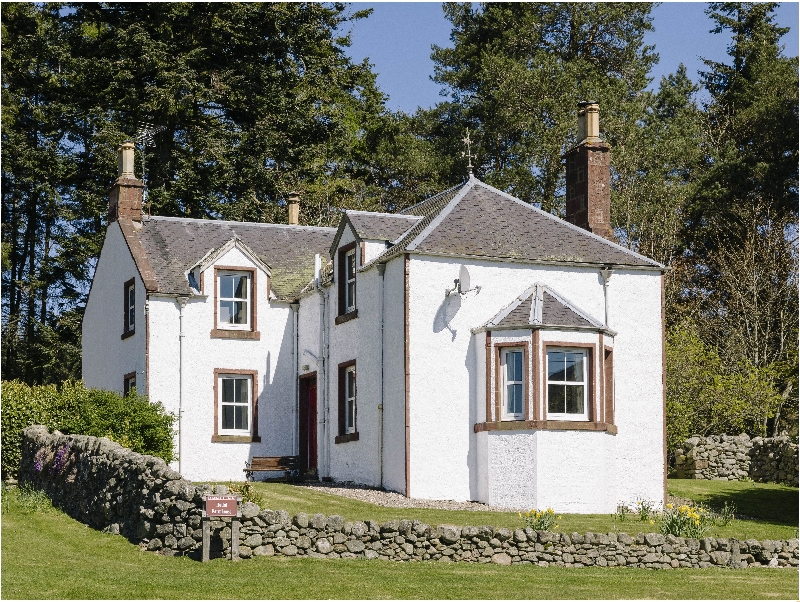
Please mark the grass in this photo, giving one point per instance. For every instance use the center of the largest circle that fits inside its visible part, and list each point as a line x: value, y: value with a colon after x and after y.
x: 46, y: 554
x: 773, y: 507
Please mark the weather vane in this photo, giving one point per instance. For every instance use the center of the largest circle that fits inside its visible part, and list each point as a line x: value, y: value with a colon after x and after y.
x: 468, y: 154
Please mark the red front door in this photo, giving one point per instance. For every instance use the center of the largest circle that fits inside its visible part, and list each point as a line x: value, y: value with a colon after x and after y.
x: 308, y: 423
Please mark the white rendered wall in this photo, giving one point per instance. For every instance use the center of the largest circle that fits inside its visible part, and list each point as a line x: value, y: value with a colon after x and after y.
x: 271, y: 356
x: 394, y: 401
x: 357, y: 339
x: 105, y: 356
x: 447, y: 388
x: 635, y: 301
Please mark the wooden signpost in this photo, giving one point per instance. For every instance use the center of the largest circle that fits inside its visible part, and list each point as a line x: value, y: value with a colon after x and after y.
x: 221, y: 506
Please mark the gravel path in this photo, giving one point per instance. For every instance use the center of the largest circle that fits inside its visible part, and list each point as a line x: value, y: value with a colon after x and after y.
x: 391, y: 499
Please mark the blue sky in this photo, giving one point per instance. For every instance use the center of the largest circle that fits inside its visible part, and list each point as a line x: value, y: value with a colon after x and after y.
x: 398, y: 36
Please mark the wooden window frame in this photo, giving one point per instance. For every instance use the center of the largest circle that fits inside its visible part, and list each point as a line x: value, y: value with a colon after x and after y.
x: 341, y: 272
x: 252, y: 332
x: 343, y: 436
x: 125, y: 380
x: 128, y: 329
x: 253, y: 437
x: 589, y: 383
x: 499, y: 393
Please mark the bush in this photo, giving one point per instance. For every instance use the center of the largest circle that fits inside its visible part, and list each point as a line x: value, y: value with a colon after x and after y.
x: 131, y: 421
x: 705, y: 397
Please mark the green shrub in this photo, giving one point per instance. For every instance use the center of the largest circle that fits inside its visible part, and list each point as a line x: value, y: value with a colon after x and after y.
x: 131, y: 421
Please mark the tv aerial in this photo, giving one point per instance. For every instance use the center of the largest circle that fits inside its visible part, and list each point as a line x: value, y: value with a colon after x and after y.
x: 145, y: 133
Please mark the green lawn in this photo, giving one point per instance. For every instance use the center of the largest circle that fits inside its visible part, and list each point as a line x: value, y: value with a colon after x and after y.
x: 49, y: 555
x: 773, y: 506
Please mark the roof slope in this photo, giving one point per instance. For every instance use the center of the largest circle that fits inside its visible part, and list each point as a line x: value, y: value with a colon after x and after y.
x: 173, y: 245
x: 539, y: 305
x: 477, y: 220
x: 369, y: 225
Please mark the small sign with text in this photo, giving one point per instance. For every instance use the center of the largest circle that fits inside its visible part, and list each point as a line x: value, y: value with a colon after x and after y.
x: 221, y: 505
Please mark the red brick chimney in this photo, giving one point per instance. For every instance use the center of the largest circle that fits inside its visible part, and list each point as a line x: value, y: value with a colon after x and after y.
x: 589, y: 176
x: 125, y: 195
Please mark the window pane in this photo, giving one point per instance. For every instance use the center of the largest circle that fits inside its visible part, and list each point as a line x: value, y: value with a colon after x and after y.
x: 514, y: 394
x: 513, y: 365
x: 351, y: 383
x: 241, y: 389
x: 239, y: 312
x: 226, y: 286
x: 240, y: 287
x: 226, y: 312
x: 227, y: 417
x: 574, y: 399
x: 241, y: 418
x: 555, y: 365
x: 574, y: 362
x: 228, y: 390
x: 351, y: 294
x: 351, y: 265
x: 555, y: 399
x: 351, y: 414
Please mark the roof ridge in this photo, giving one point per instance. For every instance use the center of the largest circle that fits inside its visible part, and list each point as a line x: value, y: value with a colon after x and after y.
x: 430, y: 199
x: 381, y: 213
x: 230, y: 222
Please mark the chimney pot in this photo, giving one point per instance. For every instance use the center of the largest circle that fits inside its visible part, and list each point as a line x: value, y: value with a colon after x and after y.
x: 294, y: 208
x: 125, y: 158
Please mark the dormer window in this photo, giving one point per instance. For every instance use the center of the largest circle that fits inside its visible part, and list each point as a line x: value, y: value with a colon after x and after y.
x: 235, y: 303
x: 347, y: 283
x: 234, y: 300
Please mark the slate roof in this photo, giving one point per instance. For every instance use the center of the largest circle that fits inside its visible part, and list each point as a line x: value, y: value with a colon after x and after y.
x: 540, y: 306
x: 173, y: 245
x: 369, y: 225
x: 476, y: 220
x: 468, y: 220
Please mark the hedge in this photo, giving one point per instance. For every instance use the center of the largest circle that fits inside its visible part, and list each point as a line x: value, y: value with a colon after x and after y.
x: 131, y: 421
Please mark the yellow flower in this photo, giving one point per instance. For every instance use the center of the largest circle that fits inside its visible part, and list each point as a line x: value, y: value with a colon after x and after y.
x: 669, y: 506
x: 559, y: 518
x: 652, y: 523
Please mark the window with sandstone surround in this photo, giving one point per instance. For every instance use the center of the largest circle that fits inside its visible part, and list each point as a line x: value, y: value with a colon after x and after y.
x: 235, y: 406
x: 348, y: 409
x: 346, y: 286
x: 567, y: 383
x: 513, y: 388
x: 129, y: 308
x: 235, y: 310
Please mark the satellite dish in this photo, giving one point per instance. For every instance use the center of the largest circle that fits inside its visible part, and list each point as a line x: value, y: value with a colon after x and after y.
x: 463, y: 279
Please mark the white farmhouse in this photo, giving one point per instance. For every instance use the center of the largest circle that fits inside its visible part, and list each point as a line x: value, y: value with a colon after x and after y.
x: 471, y: 347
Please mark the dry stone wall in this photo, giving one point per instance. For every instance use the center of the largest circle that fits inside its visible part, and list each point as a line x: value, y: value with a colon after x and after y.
x: 725, y: 457
x: 112, y: 488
